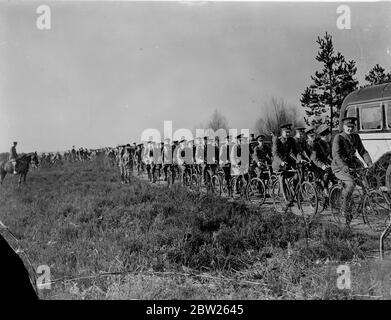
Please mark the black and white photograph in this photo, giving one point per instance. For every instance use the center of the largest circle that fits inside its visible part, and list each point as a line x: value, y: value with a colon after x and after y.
x: 213, y: 152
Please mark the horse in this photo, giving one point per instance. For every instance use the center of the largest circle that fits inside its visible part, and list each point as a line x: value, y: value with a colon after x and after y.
x: 22, y: 167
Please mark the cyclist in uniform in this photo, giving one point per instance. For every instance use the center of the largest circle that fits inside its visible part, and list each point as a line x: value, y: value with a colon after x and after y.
x: 344, y: 149
x: 321, y: 158
x: 285, y: 154
x: 261, y: 157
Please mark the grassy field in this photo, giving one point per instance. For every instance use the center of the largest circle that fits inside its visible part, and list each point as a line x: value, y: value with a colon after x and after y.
x: 172, y: 244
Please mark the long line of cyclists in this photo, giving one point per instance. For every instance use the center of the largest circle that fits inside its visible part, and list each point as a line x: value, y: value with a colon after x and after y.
x: 287, y: 170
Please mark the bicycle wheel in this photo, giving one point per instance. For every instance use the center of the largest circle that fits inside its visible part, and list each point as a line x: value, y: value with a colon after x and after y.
x: 169, y: 178
x: 233, y: 186
x: 224, y: 185
x: 194, y: 182
x: 335, y: 203
x: 308, y: 201
x: 256, y: 191
x: 215, y: 185
x: 281, y: 204
x: 322, y: 198
x: 376, y: 211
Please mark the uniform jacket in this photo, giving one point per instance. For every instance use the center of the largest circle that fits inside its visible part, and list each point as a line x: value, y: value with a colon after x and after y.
x: 344, y: 149
x: 262, y: 153
x: 13, y: 154
x: 321, y: 153
x: 127, y: 159
x: 224, y: 154
x: 283, y: 150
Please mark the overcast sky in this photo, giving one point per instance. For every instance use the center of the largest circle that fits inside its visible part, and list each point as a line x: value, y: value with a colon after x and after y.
x: 106, y: 71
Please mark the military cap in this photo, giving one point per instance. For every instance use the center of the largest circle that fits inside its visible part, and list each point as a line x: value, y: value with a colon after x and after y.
x: 310, y: 130
x: 323, y: 130
x: 240, y: 136
x: 175, y: 141
x: 349, y: 121
x: 286, y: 126
x: 128, y: 144
x: 15, y: 142
x: 261, y: 137
x: 299, y: 128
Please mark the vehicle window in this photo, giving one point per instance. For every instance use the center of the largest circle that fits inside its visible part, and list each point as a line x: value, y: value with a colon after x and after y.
x: 351, y: 111
x: 371, y: 117
x: 387, y: 105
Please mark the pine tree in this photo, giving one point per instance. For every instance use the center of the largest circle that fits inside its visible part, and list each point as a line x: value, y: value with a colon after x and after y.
x: 323, y: 98
x: 377, y: 75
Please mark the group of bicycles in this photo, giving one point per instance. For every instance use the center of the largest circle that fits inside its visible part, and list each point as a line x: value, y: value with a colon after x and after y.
x: 298, y: 187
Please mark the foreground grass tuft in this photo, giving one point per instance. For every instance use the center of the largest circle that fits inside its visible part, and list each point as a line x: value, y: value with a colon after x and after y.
x: 173, y: 244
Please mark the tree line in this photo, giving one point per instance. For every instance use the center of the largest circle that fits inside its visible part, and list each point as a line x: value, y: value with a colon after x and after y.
x: 321, y: 100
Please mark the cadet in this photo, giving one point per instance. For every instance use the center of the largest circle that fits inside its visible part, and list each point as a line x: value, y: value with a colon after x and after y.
x: 261, y: 156
x: 224, y: 159
x: 285, y: 154
x: 301, y: 142
x: 321, y: 158
x: 127, y: 162
x: 167, y: 157
x: 120, y: 163
x: 13, y: 157
x: 311, y: 136
x: 344, y: 147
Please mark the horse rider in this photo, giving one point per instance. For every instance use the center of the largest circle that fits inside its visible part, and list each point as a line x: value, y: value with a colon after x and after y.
x: 13, y: 157
x: 344, y: 149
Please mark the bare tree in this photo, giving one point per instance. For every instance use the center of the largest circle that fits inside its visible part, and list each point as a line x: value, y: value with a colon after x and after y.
x: 276, y: 113
x: 218, y: 121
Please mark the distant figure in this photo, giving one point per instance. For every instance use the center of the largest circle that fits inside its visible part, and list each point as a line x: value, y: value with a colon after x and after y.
x: 13, y: 156
x: 73, y: 152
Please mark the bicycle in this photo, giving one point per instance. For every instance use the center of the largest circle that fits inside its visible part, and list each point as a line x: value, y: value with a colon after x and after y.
x: 303, y: 194
x: 256, y: 189
x: 372, y: 204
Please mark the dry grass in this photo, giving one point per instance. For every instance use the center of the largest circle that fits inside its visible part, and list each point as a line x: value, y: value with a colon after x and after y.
x: 172, y: 244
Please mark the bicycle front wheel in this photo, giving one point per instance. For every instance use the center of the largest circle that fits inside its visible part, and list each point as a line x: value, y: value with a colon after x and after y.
x: 376, y: 211
x: 216, y: 185
x: 308, y: 201
x: 335, y: 202
x: 281, y: 204
x: 256, y: 191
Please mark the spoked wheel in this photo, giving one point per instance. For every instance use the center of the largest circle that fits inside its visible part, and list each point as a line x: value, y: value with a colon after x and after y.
x: 185, y: 179
x: 194, y: 182
x: 169, y: 178
x: 281, y: 204
x: 232, y: 186
x: 308, y: 201
x: 335, y: 202
x: 256, y: 191
x: 323, y: 202
x: 224, y: 185
x: 376, y: 211
x: 215, y: 185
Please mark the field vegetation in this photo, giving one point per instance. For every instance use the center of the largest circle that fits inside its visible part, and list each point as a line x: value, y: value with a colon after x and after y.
x: 161, y: 243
